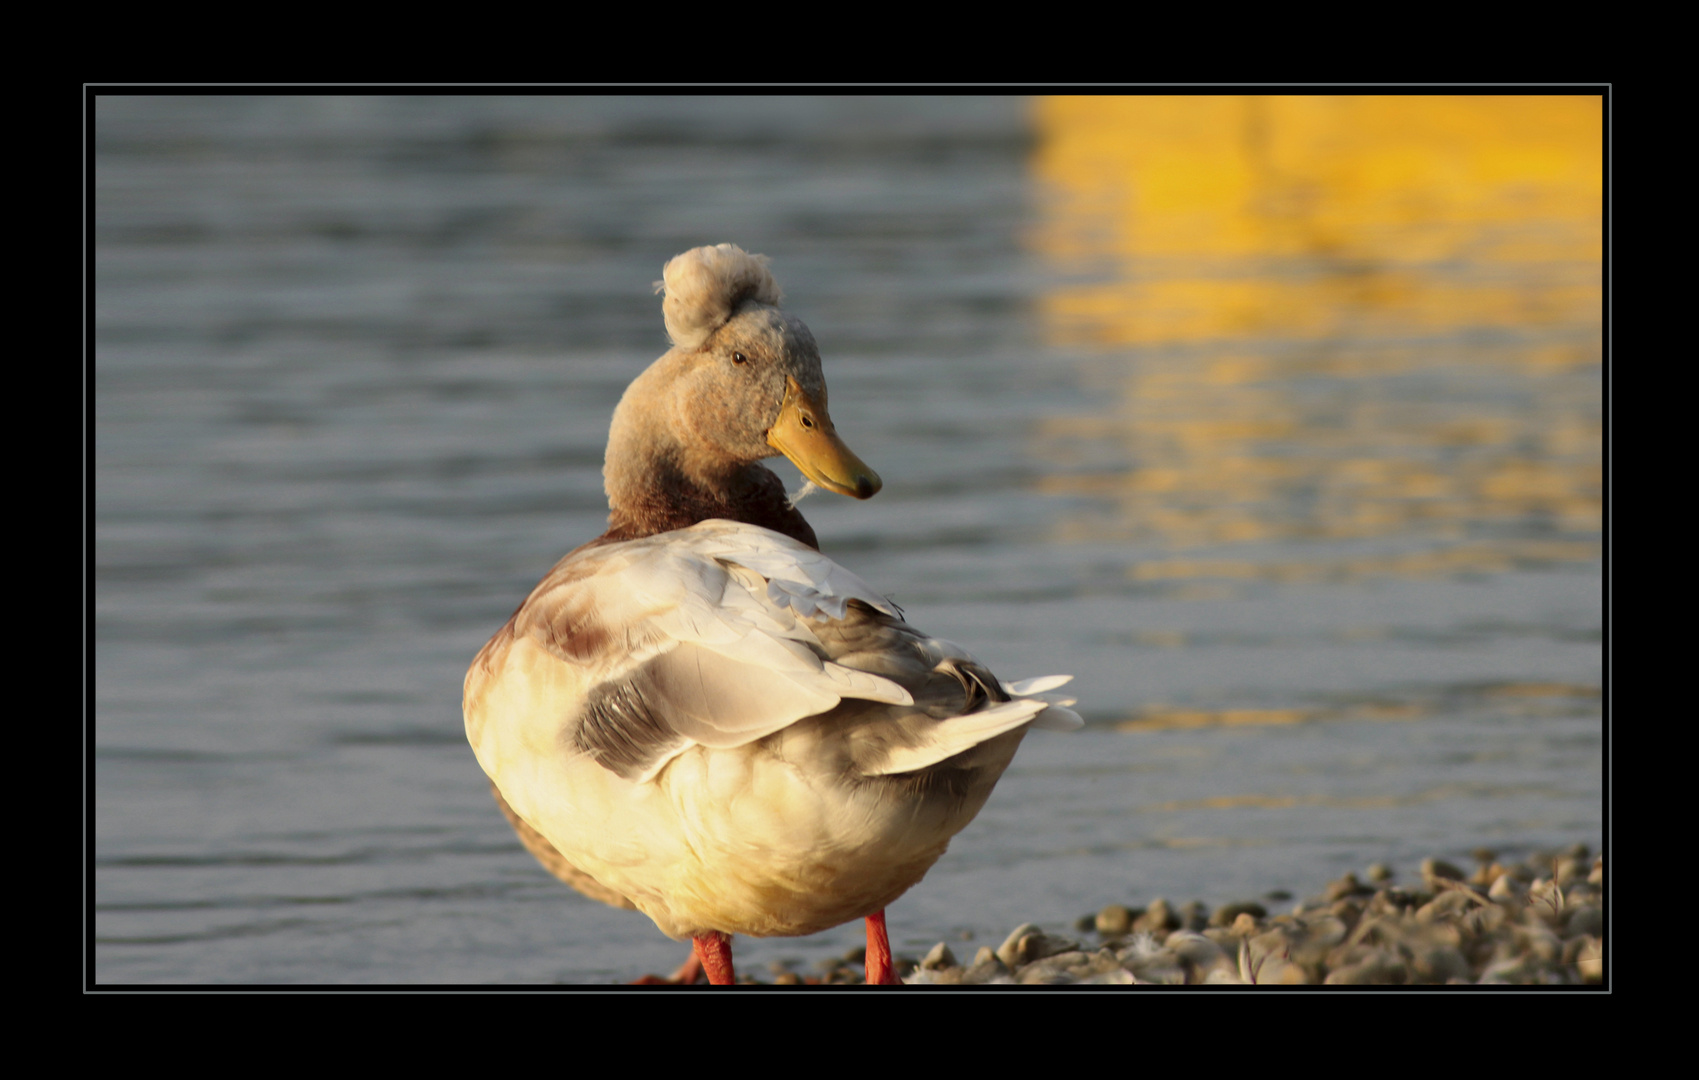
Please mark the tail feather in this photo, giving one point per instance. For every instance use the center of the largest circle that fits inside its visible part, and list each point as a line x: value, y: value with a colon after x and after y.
x: 948, y: 738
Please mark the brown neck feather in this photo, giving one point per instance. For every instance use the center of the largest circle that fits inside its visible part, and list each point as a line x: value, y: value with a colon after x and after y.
x: 755, y: 497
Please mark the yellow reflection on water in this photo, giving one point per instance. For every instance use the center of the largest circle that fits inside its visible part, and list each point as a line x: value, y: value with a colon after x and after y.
x: 1503, y: 699
x: 1329, y: 318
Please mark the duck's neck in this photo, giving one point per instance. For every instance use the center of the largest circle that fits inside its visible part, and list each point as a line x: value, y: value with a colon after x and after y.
x: 655, y: 485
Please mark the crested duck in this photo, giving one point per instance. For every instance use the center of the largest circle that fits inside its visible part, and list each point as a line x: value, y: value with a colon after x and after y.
x: 699, y: 715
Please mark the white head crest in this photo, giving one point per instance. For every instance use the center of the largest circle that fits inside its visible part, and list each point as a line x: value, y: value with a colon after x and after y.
x: 705, y: 285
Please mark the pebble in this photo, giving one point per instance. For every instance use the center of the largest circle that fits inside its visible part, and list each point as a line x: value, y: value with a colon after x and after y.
x: 1507, y: 889
x: 1438, y: 868
x: 1114, y: 920
x: 1228, y: 914
x: 1350, y: 886
x: 1028, y: 944
x: 939, y: 957
x: 1539, y: 921
x: 1159, y: 917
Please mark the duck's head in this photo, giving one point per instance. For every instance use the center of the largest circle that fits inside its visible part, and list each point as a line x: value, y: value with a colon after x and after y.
x: 743, y: 380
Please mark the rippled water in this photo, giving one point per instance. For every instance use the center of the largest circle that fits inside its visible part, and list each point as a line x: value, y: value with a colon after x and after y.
x: 1309, y: 506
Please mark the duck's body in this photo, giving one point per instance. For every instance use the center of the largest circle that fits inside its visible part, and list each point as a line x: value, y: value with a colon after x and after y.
x: 734, y: 732
x: 698, y: 713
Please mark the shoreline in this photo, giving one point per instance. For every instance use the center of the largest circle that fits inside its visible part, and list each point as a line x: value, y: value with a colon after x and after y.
x: 1537, y: 922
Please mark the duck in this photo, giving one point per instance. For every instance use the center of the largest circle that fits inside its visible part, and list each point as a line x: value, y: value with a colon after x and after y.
x: 701, y: 716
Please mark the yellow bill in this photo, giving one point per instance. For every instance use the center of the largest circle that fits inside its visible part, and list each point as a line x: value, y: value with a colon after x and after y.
x: 804, y: 433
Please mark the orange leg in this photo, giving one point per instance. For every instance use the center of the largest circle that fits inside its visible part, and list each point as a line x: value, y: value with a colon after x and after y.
x: 715, y: 952
x: 689, y: 971
x: 879, y: 970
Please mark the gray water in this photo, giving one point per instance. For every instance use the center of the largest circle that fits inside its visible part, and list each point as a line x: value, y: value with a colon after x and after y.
x: 354, y: 362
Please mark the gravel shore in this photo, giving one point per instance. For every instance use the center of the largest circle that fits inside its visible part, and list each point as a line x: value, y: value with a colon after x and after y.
x: 1531, y: 923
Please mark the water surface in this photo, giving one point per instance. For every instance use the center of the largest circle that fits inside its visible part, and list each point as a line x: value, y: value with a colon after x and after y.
x: 1277, y: 423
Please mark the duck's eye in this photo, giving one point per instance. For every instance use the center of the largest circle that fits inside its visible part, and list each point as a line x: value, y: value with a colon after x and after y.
x: 739, y: 358
x: 807, y: 421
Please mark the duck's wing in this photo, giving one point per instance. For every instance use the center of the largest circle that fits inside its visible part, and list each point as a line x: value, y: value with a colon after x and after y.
x: 720, y: 635
x: 630, y: 653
